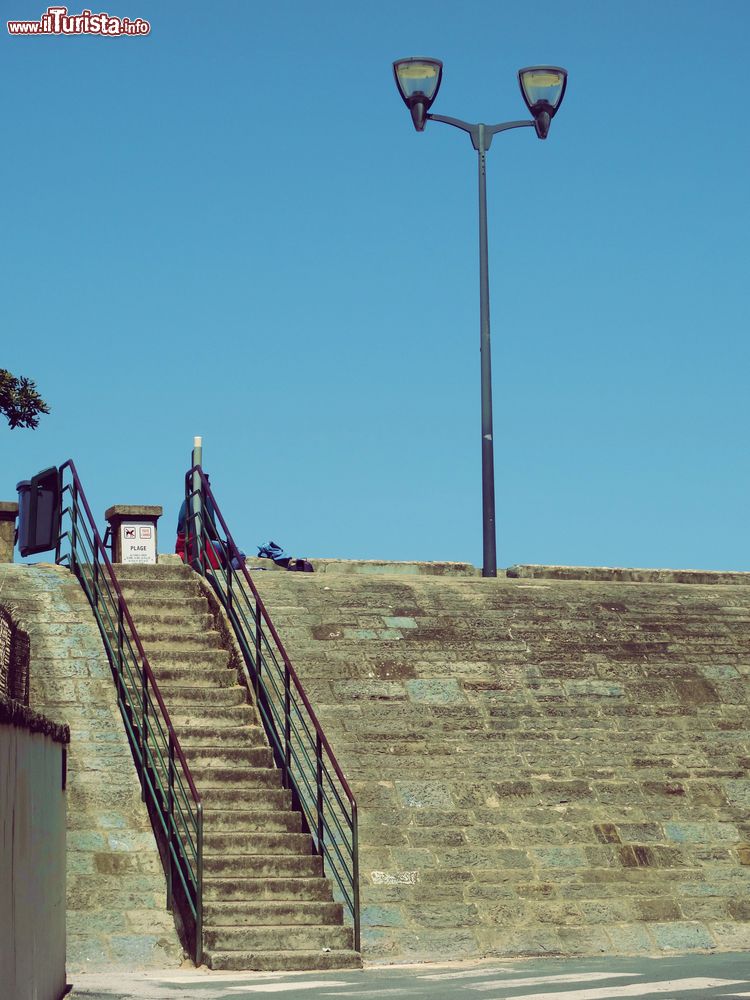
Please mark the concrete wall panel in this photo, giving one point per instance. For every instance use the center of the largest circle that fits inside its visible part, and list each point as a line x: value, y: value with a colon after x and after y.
x: 32, y: 865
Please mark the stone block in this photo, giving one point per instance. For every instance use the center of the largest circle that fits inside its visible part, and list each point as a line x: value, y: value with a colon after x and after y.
x: 455, y: 915
x: 531, y: 942
x: 611, y: 911
x: 435, y: 692
x: 430, y: 838
x: 583, y: 940
x: 731, y: 935
x: 639, y: 833
x: 369, y: 690
x: 630, y: 939
x: 682, y: 936
x: 424, y: 795
x: 382, y: 916
x: 706, y: 909
x: 399, y: 622
x: 558, y: 857
x: 738, y: 792
x: 141, y: 951
x: 652, y: 910
x: 701, y: 833
x: 85, y: 952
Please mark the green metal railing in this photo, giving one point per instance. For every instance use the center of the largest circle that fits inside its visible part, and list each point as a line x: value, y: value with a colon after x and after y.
x: 166, y: 782
x: 309, y: 767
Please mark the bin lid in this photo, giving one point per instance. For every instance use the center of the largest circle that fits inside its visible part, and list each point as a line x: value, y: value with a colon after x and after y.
x: 24, y: 484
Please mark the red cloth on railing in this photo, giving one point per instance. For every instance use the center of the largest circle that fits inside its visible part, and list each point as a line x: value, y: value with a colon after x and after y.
x: 212, y: 556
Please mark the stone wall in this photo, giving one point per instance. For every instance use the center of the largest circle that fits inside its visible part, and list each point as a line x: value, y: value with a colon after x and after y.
x: 543, y: 765
x: 116, y: 896
x: 14, y: 659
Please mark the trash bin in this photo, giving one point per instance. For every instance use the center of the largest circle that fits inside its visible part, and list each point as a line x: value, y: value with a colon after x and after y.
x: 39, y: 512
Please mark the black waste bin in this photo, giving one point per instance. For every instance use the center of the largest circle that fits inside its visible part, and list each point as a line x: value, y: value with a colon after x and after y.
x: 39, y: 512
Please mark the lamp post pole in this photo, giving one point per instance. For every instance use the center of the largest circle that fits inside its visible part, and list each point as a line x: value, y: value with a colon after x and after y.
x: 418, y: 80
x: 489, y: 542
x: 481, y: 139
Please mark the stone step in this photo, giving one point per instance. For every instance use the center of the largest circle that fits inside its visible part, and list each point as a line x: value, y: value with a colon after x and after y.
x: 155, y: 590
x: 234, y: 778
x: 259, y: 866
x: 184, y: 716
x: 167, y: 637
x: 284, y: 961
x: 252, y: 820
x: 227, y: 737
x: 217, y: 677
x: 138, y: 572
x: 266, y: 888
x: 250, y: 843
x: 241, y: 799
x: 208, y: 757
x: 177, y: 696
x: 278, y: 937
x: 174, y: 608
x: 173, y: 619
x: 195, y: 658
x: 238, y: 913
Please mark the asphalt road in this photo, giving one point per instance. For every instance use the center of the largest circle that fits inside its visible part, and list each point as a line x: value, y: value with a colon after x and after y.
x: 685, y: 977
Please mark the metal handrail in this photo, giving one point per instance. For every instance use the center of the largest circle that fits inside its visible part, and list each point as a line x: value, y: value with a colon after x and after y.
x: 167, y: 784
x: 301, y: 749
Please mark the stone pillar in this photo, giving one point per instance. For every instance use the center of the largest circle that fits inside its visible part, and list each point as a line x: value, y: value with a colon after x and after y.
x: 8, y: 512
x: 133, y: 532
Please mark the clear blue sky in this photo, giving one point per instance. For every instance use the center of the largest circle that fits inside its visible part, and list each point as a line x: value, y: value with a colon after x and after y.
x: 230, y: 228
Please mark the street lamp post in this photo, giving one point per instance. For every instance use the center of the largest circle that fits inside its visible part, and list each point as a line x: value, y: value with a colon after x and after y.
x: 418, y: 80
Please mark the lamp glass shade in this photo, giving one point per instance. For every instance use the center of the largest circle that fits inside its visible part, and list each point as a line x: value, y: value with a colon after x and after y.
x: 418, y: 78
x: 543, y: 87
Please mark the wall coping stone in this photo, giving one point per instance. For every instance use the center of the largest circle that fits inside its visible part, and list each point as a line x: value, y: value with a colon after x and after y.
x: 609, y: 574
x: 125, y: 510
x: 384, y: 566
x: 520, y: 571
x: 8, y: 510
x: 13, y: 713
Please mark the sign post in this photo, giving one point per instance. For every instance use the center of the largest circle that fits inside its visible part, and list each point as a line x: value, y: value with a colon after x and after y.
x: 134, y: 535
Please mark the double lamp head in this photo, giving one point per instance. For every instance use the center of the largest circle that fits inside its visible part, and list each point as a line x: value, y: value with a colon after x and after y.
x: 418, y: 80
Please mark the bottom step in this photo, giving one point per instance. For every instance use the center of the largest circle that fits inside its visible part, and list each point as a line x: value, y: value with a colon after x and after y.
x: 282, y: 961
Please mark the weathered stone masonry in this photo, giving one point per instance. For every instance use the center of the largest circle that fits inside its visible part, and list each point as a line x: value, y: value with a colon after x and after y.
x: 116, y: 901
x: 542, y: 765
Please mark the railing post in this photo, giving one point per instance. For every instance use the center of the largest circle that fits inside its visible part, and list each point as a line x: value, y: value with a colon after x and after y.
x: 199, y: 888
x: 60, y: 512
x: 257, y: 649
x: 170, y: 821
x: 73, y: 526
x: 319, y: 784
x: 144, y: 728
x: 120, y: 637
x: 195, y: 507
x: 287, y: 727
x: 355, y: 877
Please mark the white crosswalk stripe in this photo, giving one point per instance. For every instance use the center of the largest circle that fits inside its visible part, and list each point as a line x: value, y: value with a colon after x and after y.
x: 631, y: 990
x: 487, y: 970
x: 582, y: 977
x: 386, y: 991
x: 286, y: 987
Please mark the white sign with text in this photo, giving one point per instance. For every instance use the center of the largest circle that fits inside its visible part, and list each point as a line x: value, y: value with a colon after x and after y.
x: 138, y: 543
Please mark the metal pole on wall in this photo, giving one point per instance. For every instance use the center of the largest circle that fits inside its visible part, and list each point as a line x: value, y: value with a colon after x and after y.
x: 489, y: 560
x: 195, y: 502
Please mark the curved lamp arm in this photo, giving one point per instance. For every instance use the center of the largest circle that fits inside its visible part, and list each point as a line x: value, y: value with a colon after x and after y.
x: 481, y: 135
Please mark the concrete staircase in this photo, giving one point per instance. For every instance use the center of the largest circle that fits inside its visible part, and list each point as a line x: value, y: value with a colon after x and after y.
x: 267, y: 905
